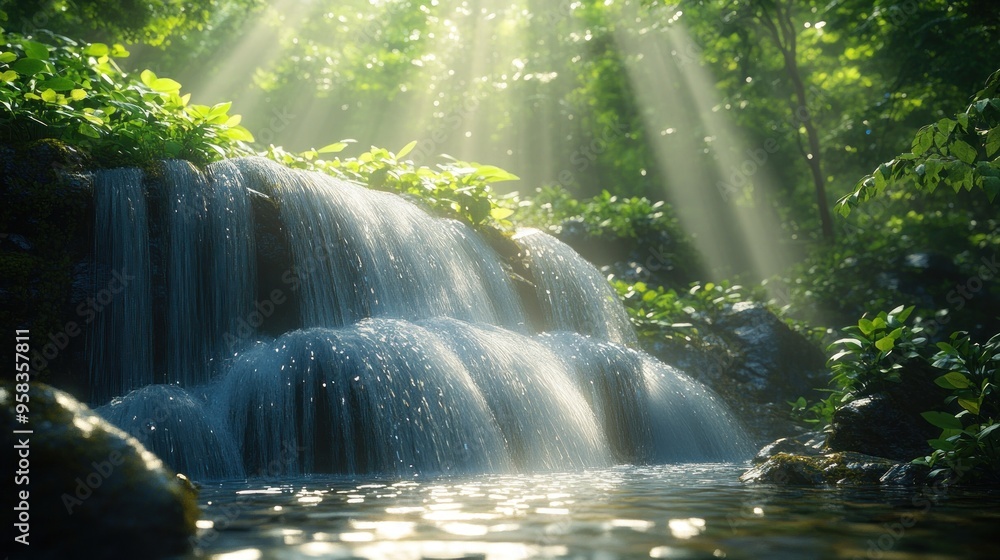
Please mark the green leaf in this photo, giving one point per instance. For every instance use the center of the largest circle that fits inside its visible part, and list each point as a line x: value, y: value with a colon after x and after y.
x: 885, y: 343
x: 78, y: 94
x: 923, y: 140
x: 408, y: 148
x: 866, y: 326
x: 332, y: 148
x: 904, y: 314
x: 964, y: 151
x: 992, y: 141
x: 148, y: 77
x: 498, y: 213
x: 941, y: 444
x: 217, y: 110
x: 7, y: 57
x: 58, y: 84
x: 987, y: 431
x: 97, y: 49
x: 953, y: 380
x: 165, y: 85
x: 29, y: 66
x: 88, y: 130
x: 119, y: 51
x: 991, y: 185
x: 971, y: 405
x: 239, y: 134
x: 49, y: 96
x: 35, y: 50
x: 942, y: 420
x: 8, y: 76
x: 494, y: 174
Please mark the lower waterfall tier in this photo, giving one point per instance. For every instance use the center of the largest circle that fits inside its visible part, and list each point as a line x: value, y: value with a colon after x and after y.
x: 396, y: 397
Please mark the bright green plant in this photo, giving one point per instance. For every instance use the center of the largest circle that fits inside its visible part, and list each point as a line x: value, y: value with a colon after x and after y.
x: 874, y: 353
x: 969, y: 440
x: 53, y: 87
x: 659, y: 313
x: 961, y: 153
x: 456, y: 189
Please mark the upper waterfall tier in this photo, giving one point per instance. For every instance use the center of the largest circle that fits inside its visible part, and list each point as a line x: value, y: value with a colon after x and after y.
x: 249, y: 248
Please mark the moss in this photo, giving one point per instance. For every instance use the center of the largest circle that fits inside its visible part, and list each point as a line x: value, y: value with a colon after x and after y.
x: 834, y: 468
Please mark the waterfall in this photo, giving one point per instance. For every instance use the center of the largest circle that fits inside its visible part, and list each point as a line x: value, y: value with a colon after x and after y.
x: 574, y: 296
x: 233, y: 268
x: 207, y: 263
x: 186, y: 209
x: 180, y: 428
x: 314, y: 325
x: 120, y: 349
x: 372, y: 254
x: 381, y: 396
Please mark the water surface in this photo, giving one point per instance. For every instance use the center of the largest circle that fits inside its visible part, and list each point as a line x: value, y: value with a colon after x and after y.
x: 667, y: 511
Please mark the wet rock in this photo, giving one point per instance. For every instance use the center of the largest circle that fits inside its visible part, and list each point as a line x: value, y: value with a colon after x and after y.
x: 906, y: 474
x: 879, y: 425
x: 785, y: 468
x: 774, y: 363
x: 832, y: 468
x: 92, y: 487
x: 806, y: 445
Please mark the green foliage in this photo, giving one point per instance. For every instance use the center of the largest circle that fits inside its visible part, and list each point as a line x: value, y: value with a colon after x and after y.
x: 659, y: 313
x: 53, y: 87
x: 969, y: 440
x: 457, y: 189
x: 605, y: 214
x: 866, y: 361
x: 962, y: 153
x: 874, y: 353
x: 154, y: 22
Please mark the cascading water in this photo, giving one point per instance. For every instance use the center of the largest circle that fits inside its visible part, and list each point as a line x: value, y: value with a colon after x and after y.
x: 120, y: 349
x: 574, y: 296
x: 409, y: 350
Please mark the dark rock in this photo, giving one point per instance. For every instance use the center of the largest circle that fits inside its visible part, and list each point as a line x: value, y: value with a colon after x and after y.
x: 92, y: 487
x: 878, y: 425
x: 906, y: 474
x: 774, y: 362
x: 832, y: 468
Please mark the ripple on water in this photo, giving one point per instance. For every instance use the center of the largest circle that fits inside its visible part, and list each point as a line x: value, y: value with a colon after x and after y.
x: 670, y: 511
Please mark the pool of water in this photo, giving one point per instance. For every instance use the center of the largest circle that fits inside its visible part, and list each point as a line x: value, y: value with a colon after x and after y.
x: 668, y: 511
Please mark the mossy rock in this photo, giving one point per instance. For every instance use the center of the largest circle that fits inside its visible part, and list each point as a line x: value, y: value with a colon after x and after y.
x: 92, y: 487
x: 832, y: 468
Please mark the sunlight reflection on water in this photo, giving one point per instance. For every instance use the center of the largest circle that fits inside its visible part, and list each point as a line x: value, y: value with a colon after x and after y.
x: 670, y: 511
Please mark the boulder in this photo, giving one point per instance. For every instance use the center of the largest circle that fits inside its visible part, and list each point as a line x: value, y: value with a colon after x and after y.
x: 879, y: 425
x: 832, y: 468
x: 89, y: 486
x: 774, y: 363
x: 806, y: 445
